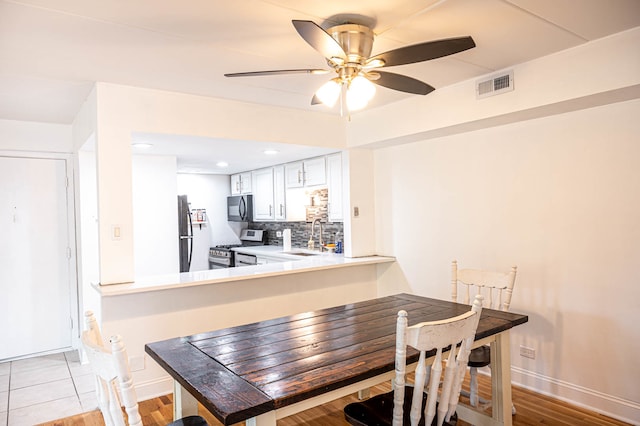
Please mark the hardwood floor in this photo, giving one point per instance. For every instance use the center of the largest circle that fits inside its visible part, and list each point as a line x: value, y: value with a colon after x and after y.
x: 532, y: 409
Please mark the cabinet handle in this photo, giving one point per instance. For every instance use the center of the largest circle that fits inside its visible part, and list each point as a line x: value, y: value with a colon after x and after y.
x: 280, y: 209
x: 269, y: 209
x: 299, y: 176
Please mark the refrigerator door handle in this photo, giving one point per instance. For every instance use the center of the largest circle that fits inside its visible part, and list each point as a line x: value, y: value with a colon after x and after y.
x: 190, y: 237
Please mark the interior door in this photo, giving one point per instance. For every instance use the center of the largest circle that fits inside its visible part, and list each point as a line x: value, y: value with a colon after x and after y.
x: 35, y: 284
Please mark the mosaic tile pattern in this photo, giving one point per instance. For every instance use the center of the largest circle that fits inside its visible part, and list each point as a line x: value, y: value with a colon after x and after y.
x: 300, y: 231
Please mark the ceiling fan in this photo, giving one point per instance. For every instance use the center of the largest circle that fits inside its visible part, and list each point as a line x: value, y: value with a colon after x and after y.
x: 347, y: 49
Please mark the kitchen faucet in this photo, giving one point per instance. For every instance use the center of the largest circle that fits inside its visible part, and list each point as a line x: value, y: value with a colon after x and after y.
x: 311, y: 243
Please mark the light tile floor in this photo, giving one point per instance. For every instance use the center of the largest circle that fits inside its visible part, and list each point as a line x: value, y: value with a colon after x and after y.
x: 45, y: 388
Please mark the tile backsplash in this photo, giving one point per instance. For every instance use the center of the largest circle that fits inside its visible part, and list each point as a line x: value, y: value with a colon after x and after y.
x: 300, y: 232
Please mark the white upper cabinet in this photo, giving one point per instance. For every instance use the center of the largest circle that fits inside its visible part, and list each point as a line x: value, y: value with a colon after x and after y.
x: 334, y: 186
x: 306, y: 173
x: 263, y: 206
x: 241, y: 183
x: 315, y: 172
x: 294, y: 175
x: 279, y: 193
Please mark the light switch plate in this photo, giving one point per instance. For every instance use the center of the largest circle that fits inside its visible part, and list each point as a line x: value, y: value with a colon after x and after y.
x: 116, y: 232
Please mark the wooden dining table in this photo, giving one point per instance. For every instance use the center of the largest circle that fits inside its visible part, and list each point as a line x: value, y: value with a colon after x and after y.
x: 271, y: 369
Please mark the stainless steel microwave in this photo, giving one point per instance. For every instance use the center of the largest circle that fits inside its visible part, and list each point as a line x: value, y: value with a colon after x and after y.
x: 240, y: 208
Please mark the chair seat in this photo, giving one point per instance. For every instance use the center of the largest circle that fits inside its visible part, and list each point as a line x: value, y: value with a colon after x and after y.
x: 480, y: 357
x: 378, y: 411
x: 189, y: 421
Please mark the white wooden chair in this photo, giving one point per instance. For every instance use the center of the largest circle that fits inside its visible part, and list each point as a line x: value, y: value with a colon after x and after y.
x: 497, y: 289
x: 407, y: 404
x: 114, y: 382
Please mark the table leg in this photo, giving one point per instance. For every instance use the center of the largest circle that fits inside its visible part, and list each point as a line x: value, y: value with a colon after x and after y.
x: 266, y: 419
x: 501, y: 379
x: 364, y: 393
x: 184, y: 404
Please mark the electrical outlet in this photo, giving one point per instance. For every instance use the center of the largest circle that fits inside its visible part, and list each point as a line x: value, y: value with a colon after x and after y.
x: 279, y: 234
x: 527, y: 352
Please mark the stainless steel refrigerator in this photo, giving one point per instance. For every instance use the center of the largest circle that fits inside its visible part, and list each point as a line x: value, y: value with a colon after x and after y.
x: 185, y: 233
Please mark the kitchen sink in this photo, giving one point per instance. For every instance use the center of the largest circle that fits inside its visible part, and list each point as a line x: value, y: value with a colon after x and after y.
x: 300, y: 253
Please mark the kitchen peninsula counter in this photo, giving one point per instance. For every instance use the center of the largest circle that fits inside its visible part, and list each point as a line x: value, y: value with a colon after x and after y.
x: 320, y: 262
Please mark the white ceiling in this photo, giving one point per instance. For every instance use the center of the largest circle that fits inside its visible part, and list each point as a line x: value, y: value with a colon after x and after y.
x: 52, y: 51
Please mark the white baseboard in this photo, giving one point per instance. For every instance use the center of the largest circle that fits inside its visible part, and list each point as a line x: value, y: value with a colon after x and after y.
x: 612, y: 406
x: 154, y: 388
x: 618, y: 408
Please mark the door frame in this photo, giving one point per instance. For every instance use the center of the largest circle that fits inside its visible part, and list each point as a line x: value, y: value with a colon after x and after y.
x: 74, y: 290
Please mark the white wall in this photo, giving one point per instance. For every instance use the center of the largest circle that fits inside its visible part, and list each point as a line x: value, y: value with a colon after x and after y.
x: 209, y: 192
x: 595, y: 73
x: 155, y: 215
x: 560, y: 198
x: 35, y: 137
x: 87, y: 225
x: 123, y: 110
x: 148, y: 317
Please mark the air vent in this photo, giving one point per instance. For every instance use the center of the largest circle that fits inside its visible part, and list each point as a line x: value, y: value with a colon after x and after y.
x: 495, y: 85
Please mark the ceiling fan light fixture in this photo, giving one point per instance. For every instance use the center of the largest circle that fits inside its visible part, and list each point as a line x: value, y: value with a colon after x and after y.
x: 329, y: 92
x: 359, y: 93
x: 347, y: 50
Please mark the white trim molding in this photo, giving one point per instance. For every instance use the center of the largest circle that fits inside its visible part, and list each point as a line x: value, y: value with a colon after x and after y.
x: 154, y: 388
x: 609, y: 405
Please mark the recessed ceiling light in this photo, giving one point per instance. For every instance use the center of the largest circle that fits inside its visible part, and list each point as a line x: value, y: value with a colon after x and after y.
x: 222, y: 164
x: 142, y: 145
x: 270, y: 151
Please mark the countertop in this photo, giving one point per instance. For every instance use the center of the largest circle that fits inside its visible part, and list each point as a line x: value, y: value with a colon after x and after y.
x: 277, y: 251
x: 297, y: 264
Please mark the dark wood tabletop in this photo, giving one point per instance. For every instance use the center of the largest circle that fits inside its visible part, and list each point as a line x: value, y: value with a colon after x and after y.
x: 241, y: 372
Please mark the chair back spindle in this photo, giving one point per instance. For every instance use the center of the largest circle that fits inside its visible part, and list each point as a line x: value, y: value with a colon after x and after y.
x: 456, y: 333
x: 496, y: 287
x: 450, y: 339
x: 111, y: 368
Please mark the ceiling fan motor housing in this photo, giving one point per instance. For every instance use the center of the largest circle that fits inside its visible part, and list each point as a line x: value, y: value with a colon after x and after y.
x: 356, y: 41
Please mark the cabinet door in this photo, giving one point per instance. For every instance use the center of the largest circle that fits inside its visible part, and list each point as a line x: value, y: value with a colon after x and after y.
x: 294, y: 174
x: 245, y: 183
x: 235, y: 185
x: 263, y: 194
x: 279, y: 191
x: 315, y: 172
x: 334, y: 186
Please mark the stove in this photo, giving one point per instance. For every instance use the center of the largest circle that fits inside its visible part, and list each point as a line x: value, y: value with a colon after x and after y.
x: 222, y: 256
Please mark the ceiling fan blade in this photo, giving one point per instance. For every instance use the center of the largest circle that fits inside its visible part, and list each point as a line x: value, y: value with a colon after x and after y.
x: 276, y: 72
x: 424, y: 51
x: 402, y: 83
x: 319, y: 39
x: 315, y: 100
